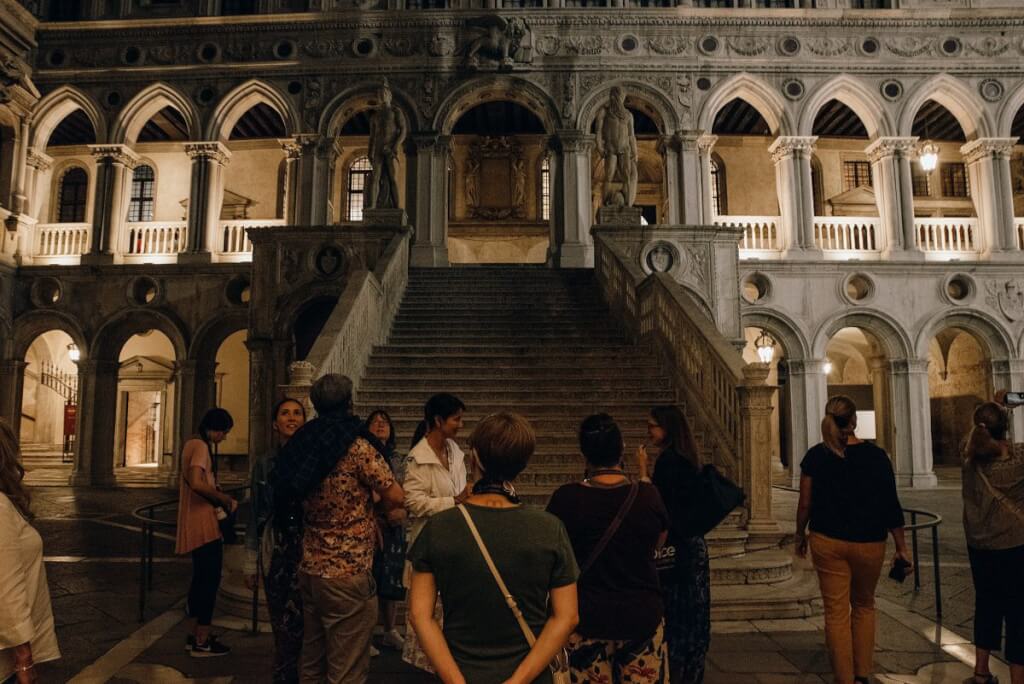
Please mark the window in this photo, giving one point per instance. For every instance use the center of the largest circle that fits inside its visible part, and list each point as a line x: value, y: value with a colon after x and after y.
x: 426, y: 4
x: 954, y: 180
x: 143, y: 182
x: 856, y: 174
x: 921, y: 181
x: 718, y: 186
x: 775, y: 4
x: 545, y: 189
x: 74, y: 192
x: 358, y: 175
x: 871, y: 4
x: 717, y: 3
x: 522, y: 3
x: 231, y: 7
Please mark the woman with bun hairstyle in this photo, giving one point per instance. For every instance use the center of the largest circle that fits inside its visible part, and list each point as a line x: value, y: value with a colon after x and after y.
x: 993, y: 492
x: 848, y: 497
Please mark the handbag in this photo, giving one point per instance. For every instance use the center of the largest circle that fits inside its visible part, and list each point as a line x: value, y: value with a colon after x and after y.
x: 999, y: 496
x: 560, y: 665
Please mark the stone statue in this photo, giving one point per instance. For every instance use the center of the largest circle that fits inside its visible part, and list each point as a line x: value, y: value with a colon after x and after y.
x: 616, y: 143
x: 518, y: 184
x: 504, y: 40
x: 386, y: 135
x: 472, y: 169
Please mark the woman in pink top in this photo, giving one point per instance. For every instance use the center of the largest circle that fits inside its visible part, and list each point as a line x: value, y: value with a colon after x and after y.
x: 200, y: 502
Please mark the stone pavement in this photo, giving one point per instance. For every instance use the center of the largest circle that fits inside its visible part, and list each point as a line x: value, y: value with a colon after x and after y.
x: 91, y: 545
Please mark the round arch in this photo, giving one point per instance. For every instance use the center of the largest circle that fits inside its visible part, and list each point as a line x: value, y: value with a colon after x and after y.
x: 853, y: 93
x: 882, y: 326
x: 494, y: 89
x: 993, y: 337
x: 784, y: 329
x: 293, y: 305
x: 758, y: 93
x: 118, y: 329
x: 32, y: 324
x: 954, y: 95
x: 646, y: 98
x: 240, y: 100
x: 147, y: 103
x: 212, y: 333
x: 52, y: 109
x: 360, y: 98
x: 1011, y: 105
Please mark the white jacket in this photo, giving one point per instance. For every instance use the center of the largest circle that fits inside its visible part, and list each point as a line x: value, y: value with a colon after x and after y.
x: 25, y: 613
x: 429, y: 487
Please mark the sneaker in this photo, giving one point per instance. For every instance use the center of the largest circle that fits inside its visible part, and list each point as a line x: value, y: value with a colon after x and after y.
x: 211, y: 649
x: 393, y: 640
x: 190, y: 641
x: 373, y: 651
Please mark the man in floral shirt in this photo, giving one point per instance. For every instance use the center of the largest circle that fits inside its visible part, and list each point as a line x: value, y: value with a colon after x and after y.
x: 338, y: 593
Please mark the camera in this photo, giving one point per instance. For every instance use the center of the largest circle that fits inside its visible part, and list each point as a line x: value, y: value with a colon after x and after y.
x: 1013, y: 399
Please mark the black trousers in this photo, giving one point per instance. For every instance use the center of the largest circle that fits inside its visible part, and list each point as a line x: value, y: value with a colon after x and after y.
x: 999, y: 597
x: 202, y: 593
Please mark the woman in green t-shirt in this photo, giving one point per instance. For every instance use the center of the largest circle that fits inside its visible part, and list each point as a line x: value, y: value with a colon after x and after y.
x: 482, y: 641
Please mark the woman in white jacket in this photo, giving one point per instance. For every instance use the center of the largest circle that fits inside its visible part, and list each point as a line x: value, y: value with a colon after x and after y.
x: 435, y: 480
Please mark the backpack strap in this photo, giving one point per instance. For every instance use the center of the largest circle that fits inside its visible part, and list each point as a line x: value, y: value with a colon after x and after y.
x: 612, y: 529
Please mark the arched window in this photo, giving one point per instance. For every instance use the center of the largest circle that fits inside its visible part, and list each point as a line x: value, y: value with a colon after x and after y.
x: 143, y: 184
x: 545, y: 189
x: 74, y: 194
x: 358, y: 175
x: 718, y: 198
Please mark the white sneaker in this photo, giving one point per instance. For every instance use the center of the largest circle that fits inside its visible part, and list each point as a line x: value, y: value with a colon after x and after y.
x: 373, y: 651
x: 393, y: 640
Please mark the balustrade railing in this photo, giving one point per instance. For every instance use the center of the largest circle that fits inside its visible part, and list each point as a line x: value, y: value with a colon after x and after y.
x: 61, y: 239
x: 845, y: 233
x: 945, y: 234
x: 156, y: 238
x: 759, y: 232
x: 234, y: 240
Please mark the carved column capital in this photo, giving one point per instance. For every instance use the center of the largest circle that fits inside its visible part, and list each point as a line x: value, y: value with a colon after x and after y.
x: 891, y: 147
x: 40, y: 161
x: 705, y: 141
x: 669, y: 143
x: 301, y: 145
x: 908, y: 366
x: 987, y: 147
x: 421, y: 142
x: 786, y: 146
x: 573, y: 141
x: 215, y: 150
x: 118, y: 154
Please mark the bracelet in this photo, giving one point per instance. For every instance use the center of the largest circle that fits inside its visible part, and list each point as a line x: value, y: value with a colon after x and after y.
x: 24, y: 668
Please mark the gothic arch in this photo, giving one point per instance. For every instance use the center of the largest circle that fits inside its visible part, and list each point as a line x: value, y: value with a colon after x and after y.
x: 52, y: 109
x: 648, y: 99
x: 148, y: 102
x: 240, y: 100
x: 954, y: 95
x: 992, y: 336
x: 362, y: 97
x: 495, y: 89
x: 212, y: 333
x: 756, y: 92
x: 895, y: 341
x: 118, y: 329
x: 1014, y: 101
x: 784, y: 329
x: 32, y: 324
x: 853, y: 93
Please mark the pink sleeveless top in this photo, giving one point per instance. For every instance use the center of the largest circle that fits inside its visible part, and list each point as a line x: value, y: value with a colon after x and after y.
x: 197, y: 522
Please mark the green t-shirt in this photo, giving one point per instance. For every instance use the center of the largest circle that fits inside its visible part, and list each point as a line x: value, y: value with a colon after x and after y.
x: 533, y: 554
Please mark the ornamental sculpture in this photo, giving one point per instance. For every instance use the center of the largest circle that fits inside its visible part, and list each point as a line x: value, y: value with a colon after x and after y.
x: 501, y: 40
x: 386, y: 135
x: 616, y: 143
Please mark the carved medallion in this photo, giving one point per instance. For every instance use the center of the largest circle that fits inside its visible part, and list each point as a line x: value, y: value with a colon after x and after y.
x: 1007, y: 297
x: 328, y: 261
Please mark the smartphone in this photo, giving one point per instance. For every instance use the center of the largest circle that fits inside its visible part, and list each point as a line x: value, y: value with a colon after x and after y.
x: 899, y: 570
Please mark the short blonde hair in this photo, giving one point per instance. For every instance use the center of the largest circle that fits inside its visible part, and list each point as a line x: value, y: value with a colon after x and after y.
x: 504, y: 443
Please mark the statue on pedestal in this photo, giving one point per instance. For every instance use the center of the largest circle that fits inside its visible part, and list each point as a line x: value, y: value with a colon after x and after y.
x: 386, y: 135
x: 616, y: 143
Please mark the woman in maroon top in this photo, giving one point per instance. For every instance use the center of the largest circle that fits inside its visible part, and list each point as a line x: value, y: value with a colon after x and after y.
x: 620, y: 637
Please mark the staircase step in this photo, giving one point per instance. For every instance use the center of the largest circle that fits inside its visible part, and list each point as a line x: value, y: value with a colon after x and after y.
x: 512, y: 382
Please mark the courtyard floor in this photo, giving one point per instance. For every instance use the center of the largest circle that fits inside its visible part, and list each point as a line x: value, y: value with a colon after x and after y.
x: 92, y: 543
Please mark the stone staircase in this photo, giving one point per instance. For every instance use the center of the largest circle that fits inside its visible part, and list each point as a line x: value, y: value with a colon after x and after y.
x: 543, y: 343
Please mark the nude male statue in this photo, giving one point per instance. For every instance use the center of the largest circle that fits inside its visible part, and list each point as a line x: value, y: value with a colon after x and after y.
x: 386, y: 135
x: 616, y: 143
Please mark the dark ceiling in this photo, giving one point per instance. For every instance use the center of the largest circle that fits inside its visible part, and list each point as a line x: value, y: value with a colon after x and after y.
x: 75, y: 129
x: 836, y: 120
x: 739, y: 118
x: 498, y: 118
x: 262, y: 121
x: 357, y: 125
x: 166, y: 125
x: 934, y: 122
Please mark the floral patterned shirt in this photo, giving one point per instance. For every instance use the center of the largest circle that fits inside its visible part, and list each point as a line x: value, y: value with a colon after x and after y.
x: 340, y: 533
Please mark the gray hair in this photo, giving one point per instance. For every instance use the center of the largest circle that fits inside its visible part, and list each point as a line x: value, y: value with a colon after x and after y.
x: 331, y: 393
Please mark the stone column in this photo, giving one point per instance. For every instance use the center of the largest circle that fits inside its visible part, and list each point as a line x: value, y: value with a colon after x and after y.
x: 808, y: 390
x: 911, y: 451
x: 19, y: 170
x: 695, y: 177
x: 325, y: 152
x: 1008, y: 374
x: 988, y: 163
x: 792, y: 157
x: 12, y: 386
x: 894, y: 193
x: 263, y: 386
x: 206, y: 196
x: 38, y: 164
x: 94, y: 442
x: 427, y: 197
x: 881, y: 394
x: 756, y: 452
x: 669, y: 147
x: 575, y: 208
x: 110, y: 206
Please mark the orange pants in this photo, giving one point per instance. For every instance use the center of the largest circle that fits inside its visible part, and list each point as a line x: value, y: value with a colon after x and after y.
x: 848, y: 574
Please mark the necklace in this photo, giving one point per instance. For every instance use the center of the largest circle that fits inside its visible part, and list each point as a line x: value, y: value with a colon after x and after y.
x: 588, y: 477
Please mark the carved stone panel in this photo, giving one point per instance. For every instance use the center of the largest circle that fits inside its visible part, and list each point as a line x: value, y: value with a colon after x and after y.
x: 496, y: 179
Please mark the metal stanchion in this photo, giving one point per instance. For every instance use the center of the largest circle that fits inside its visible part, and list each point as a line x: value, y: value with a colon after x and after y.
x: 142, y: 576
x: 913, y: 537
x: 938, y: 577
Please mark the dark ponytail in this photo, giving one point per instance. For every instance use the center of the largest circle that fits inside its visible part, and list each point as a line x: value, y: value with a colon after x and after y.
x: 438, y: 408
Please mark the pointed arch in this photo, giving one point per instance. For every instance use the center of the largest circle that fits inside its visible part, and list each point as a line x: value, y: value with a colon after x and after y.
x: 756, y: 92
x: 240, y: 100
x: 55, y: 106
x: 1011, y: 105
x: 991, y: 335
x: 647, y: 98
x: 954, y: 95
x: 145, y: 105
x: 480, y: 90
x: 853, y: 93
x: 360, y: 98
x: 886, y: 329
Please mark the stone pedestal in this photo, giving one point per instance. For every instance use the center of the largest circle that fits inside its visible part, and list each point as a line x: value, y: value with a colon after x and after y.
x: 300, y: 381
x: 619, y: 216
x: 385, y: 217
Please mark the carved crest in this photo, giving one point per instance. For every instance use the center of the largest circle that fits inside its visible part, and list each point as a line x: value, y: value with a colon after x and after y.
x: 501, y: 162
x: 1007, y: 297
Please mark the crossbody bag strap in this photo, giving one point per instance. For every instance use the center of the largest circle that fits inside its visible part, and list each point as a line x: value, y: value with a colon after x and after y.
x: 509, y: 599
x: 999, y: 496
x: 613, y: 528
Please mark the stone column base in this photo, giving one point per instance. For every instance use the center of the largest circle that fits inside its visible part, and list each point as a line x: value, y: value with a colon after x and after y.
x: 576, y: 256
x: 385, y: 217
x: 619, y: 216
x: 803, y: 254
x: 93, y: 259
x: 428, y: 256
x: 195, y: 258
x: 897, y: 254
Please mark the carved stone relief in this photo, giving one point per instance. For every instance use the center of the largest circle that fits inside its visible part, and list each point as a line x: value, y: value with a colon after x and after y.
x: 496, y: 40
x: 1007, y: 297
x: 495, y: 177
